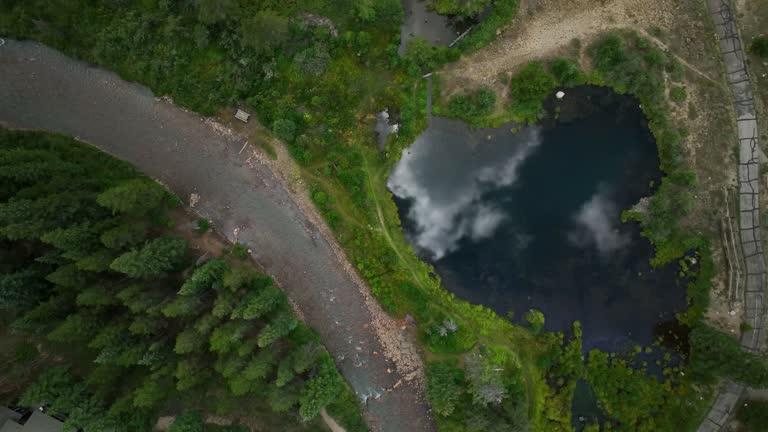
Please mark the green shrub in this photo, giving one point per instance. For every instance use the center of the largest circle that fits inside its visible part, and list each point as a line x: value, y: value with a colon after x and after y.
x: 421, y: 56
x: 753, y: 416
x: 528, y: 88
x: 567, y: 72
x: 536, y: 320
x: 460, y: 7
x: 502, y: 12
x: 445, y: 386
x: 472, y: 107
x: 240, y: 251
x: 678, y: 94
x: 203, y: 225
x: 284, y: 129
x: 188, y: 421
x: 759, y: 46
x: 717, y: 354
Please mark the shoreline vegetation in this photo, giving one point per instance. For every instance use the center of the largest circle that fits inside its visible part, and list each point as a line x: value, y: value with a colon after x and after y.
x: 318, y: 91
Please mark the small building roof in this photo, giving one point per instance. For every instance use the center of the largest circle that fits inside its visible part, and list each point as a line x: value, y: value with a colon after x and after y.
x: 38, y: 422
x: 8, y: 414
x: 11, y: 426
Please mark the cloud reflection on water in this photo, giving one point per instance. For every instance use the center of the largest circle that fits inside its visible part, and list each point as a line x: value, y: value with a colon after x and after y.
x: 597, y: 221
x: 446, y: 178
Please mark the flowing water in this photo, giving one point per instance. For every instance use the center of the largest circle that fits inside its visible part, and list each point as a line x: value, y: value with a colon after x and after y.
x: 531, y: 219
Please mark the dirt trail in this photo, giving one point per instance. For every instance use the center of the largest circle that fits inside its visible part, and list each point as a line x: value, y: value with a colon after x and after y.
x: 330, y: 422
x: 545, y: 27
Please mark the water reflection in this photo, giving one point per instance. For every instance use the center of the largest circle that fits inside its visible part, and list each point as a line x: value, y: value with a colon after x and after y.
x: 532, y: 219
x: 419, y: 21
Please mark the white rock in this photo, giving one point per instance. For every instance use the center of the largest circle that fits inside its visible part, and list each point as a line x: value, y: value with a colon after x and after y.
x: 560, y: 94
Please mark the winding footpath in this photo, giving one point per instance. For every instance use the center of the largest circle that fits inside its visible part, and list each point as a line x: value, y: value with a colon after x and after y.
x: 723, y: 14
x: 42, y: 89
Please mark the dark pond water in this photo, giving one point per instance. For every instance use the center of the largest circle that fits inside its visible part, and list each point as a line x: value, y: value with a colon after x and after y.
x: 531, y: 219
x: 419, y: 21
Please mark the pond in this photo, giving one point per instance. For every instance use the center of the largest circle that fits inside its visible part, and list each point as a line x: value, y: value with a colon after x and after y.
x: 526, y: 219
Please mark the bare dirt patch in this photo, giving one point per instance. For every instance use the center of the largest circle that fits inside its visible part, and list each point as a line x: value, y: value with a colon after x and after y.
x: 544, y: 28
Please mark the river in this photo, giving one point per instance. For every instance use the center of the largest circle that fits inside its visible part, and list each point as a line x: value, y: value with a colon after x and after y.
x: 42, y: 89
x: 516, y: 220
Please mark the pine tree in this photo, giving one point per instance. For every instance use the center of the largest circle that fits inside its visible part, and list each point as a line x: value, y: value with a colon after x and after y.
x: 206, y: 323
x: 68, y: 276
x: 137, y: 197
x: 88, y: 416
x: 444, y: 386
x: 277, y: 328
x: 136, y: 298
x: 204, y: 277
x: 260, y: 366
x: 48, y: 386
x: 282, y: 399
x: 104, y: 380
x: 188, y: 421
x: 97, y: 295
x: 230, y: 365
x: 247, y: 347
x: 182, y: 306
x: 143, y: 325
x: 29, y: 219
x: 256, y: 304
x: 320, y: 390
x: 26, y: 166
x: 305, y: 356
x: 77, y: 241
x: 79, y: 327
x: 45, y: 316
x: 191, y: 372
x: 152, y: 391
x: 110, y: 341
x: 239, y: 277
x: 284, y: 372
x: 98, y: 261
x: 189, y: 341
x: 124, y: 235
x: 156, y: 258
x: 224, y: 304
x: 25, y: 288
x: 228, y: 335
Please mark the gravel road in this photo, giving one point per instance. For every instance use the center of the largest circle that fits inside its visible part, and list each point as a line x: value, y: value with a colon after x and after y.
x: 44, y: 90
